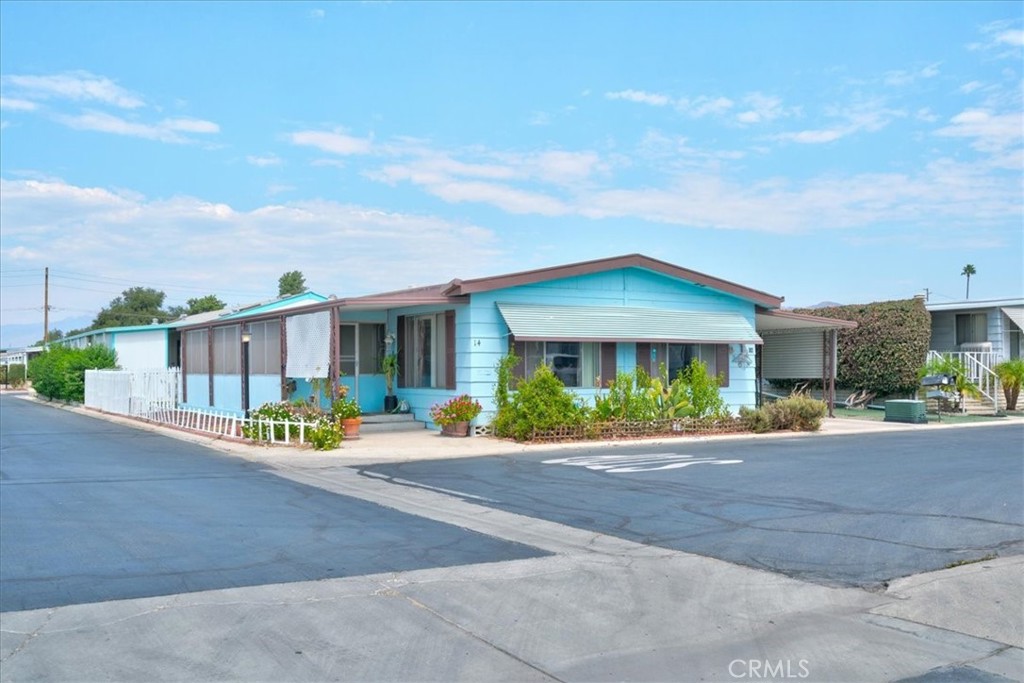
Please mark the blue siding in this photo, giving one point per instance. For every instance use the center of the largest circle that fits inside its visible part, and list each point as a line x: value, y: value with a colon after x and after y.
x: 264, y: 389
x: 197, y: 388
x: 227, y: 392
x: 485, y: 334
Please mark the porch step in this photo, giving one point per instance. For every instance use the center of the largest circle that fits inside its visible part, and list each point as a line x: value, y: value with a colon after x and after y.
x: 390, y: 422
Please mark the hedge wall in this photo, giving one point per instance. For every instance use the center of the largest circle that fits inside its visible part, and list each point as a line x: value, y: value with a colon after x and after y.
x: 886, y: 349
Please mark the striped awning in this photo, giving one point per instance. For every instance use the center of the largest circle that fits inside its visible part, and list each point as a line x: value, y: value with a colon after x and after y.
x: 536, y: 322
x: 1016, y: 314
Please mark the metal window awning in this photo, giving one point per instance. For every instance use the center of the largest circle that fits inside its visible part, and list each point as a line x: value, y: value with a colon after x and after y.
x: 1016, y: 314
x: 537, y: 322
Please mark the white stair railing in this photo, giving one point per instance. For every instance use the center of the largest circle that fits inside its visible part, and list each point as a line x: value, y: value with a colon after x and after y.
x: 979, y: 366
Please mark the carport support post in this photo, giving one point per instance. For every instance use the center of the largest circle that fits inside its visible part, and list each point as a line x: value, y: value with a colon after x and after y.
x: 246, y: 338
x: 828, y: 366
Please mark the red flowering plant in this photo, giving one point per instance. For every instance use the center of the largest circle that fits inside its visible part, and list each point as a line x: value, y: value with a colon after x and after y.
x: 459, y: 409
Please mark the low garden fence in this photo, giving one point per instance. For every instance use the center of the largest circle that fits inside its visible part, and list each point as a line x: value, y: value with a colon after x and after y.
x: 231, y: 425
x: 629, y: 429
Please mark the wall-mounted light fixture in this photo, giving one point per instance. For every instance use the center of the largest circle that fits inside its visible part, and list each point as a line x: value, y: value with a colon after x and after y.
x: 744, y: 356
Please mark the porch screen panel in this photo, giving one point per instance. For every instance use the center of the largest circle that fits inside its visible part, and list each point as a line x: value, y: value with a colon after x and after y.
x: 227, y: 350
x: 196, y: 353
x: 309, y: 345
x: 265, y: 348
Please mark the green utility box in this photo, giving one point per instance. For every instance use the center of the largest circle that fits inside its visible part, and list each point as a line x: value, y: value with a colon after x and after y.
x: 905, y: 410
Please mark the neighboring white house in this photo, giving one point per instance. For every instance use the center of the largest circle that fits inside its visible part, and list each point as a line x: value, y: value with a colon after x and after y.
x: 990, y: 326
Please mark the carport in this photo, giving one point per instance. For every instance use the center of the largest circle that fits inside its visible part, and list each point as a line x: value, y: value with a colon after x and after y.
x: 798, y: 346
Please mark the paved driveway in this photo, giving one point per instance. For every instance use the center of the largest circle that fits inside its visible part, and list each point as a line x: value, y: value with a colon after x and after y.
x: 95, y: 511
x: 856, y: 510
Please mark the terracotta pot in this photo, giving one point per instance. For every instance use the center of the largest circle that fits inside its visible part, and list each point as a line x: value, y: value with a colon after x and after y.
x: 457, y: 429
x: 351, y: 427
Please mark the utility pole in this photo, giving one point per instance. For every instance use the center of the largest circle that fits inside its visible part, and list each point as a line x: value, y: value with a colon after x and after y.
x: 927, y: 293
x: 46, y: 304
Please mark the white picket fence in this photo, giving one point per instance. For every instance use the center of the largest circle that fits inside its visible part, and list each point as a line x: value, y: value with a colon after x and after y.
x: 155, y: 395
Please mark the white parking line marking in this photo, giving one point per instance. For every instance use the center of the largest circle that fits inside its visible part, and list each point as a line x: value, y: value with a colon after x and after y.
x: 643, y: 462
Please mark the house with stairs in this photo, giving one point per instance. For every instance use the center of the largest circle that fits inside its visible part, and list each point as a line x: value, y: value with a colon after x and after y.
x: 981, y: 334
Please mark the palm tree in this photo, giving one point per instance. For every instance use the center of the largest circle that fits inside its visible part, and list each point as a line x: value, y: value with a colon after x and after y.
x: 969, y: 271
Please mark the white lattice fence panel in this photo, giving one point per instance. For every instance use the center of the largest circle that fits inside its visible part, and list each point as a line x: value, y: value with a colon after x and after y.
x: 309, y: 345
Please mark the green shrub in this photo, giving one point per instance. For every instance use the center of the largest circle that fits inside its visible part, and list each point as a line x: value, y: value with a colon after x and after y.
x: 703, y: 390
x: 59, y: 371
x: 758, y: 420
x: 539, y: 403
x: 278, y: 413
x: 325, y: 434
x: 796, y: 413
x: 631, y: 396
x: 15, y: 375
x: 1011, y: 376
x: 883, y: 353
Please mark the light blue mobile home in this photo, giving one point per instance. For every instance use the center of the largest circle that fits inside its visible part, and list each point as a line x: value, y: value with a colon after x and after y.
x: 587, y: 320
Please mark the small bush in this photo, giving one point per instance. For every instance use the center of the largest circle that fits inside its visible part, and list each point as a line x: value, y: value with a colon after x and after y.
x: 540, y: 403
x: 326, y: 434
x: 15, y: 375
x: 758, y: 421
x: 278, y: 413
x: 796, y: 413
x: 323, y: 432
x: 631, y: 396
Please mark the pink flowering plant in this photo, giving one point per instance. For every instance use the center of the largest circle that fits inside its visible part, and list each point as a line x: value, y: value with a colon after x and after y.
x: 459, y: 409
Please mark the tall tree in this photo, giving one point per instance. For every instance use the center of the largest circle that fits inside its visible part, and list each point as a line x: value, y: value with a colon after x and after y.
x: 968, y: 271
x: 202, y: 304
x: 135, y: 306
x: 291, y: 283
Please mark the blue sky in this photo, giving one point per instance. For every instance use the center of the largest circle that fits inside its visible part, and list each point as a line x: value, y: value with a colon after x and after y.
x: 838, y: 151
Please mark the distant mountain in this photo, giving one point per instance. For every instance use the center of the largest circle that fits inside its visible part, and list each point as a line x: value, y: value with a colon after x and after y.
x: 825, y: 304
x: 16, y: 336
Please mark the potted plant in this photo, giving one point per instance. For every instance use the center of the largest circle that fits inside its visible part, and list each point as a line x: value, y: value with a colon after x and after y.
x: 454, y: 415
x: 389, y: 366
x: 348, y: 412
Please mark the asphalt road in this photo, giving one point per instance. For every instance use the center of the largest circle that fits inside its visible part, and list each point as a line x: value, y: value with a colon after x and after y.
x: 94, y: 511
x: 857, y: 510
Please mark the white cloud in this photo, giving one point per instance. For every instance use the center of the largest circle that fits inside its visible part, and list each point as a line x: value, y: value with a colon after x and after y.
x: 968, y: 88
x: 1014, y: 37
x: 189, y: 125
x: 264, y: 161
x: 168, y: 130
x: 760, y: 108
x: 1002, y: 36
x: 990, y: 132
x: 926, y: 114
x: 704, y: 105
x: 14, y: 104
x: 539, y: 118
x: 868, y: 116
x: 317, y: 14
x: 74, y: 85
x: 219, y: 247
x: 901, y: 78
x: 640, y: 97
x: 334, y: 143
